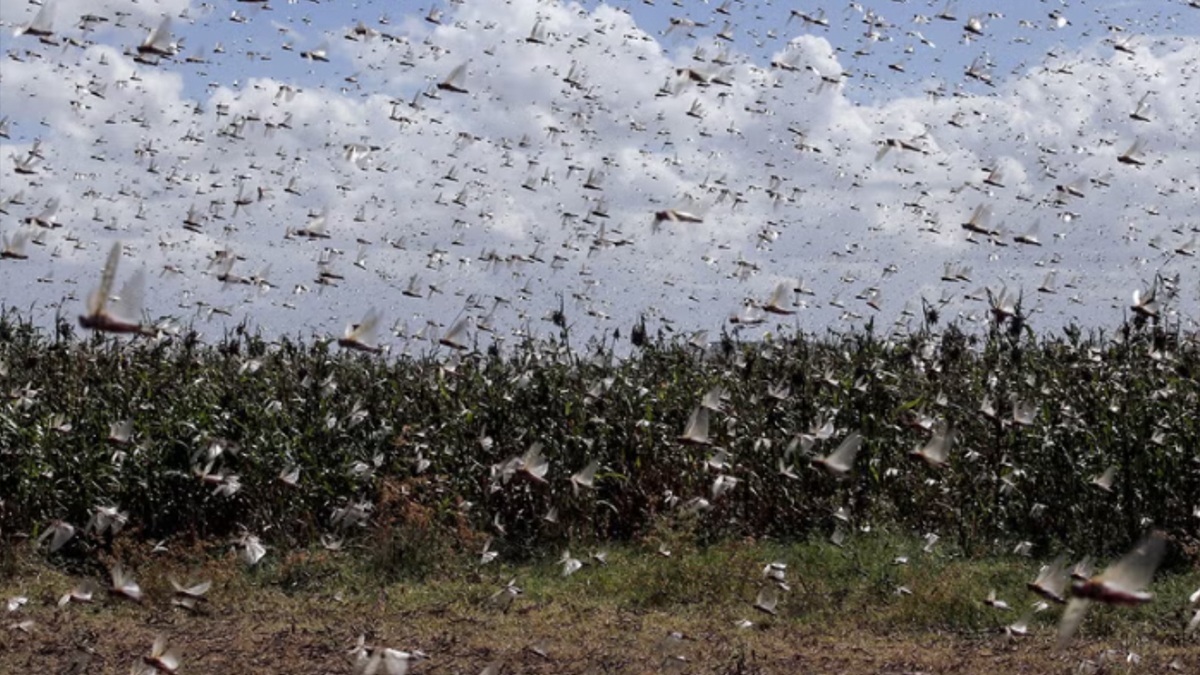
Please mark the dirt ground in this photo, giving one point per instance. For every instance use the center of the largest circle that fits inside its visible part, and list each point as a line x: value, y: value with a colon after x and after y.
x: 317, y: 635
x: 305, y: 614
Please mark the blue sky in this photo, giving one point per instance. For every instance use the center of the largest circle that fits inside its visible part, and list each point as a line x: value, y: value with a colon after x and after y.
x: 485, y: 195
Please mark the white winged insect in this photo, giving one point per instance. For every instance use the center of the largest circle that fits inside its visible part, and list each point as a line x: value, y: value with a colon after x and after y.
x: 683, y: 214
x: 361, y: 336
x: 290, y: 476
x: 534, y: 464
x: 1123, y: 583
x: 1082, y: 570
x: 570, y: 565
x: 321, y: 53
x: 936, y: 452
x: 162, y: 658
x: 1104, y: 481
x: 722, y: 485
x: 389, y: 662
x: 504, y: 597
x: 413, y: 288
x: 713, y: 399
x: 189, y: 597
x: 15, y: 603
x: 931, y: 540
x: 696, y: 431
x: 840, y: 461
x: 120, y: 319
x: 1051, y: 581
x: 252, y: 549
x: 586, y: 477
x: 458, y: 335
x: 1142, y: 112
x: 123, y: 584
x: 994, y: 602
x: 1133, y: 155
x: 537, y: 35
x: 59, y: 533
x: 83, y: 592
x: 1020, y: 627
x: 1030, y: 236
x: 780, y: 300
x: 456, y: 81
x: 318, y: 223
x: 488, y: 555
x: 1145, y: 303
x: 42, y: 25
x: 158, y: 41
x: 14, y: 246
x: 719, y: 459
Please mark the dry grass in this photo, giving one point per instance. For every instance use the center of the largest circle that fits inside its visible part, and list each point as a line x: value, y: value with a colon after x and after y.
x: 303, y: 612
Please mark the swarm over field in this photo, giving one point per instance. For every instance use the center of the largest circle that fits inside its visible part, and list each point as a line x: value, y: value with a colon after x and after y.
x: 538, y: 445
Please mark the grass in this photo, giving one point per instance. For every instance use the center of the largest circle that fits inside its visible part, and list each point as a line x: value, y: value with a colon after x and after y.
x: 301, y: 611
x: 419, y: 445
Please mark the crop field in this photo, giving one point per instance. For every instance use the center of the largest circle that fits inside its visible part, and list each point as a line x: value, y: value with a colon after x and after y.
x: 806, y: 503
x: 582, y: 337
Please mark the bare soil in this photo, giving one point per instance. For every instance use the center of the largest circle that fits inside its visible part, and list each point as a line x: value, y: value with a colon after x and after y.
x: 303, y: 613
x: 272, y: 632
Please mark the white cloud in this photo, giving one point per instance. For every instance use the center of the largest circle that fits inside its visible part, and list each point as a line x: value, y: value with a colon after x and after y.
x: 836, y: 218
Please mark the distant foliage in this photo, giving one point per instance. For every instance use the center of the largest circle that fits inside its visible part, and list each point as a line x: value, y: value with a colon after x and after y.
x: 414, y: 449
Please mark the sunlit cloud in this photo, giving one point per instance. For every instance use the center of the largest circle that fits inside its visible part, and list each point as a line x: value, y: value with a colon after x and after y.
x: 542, y: 181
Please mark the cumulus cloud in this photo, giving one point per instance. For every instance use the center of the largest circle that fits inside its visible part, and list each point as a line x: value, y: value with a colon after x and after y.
x: 487, y: 194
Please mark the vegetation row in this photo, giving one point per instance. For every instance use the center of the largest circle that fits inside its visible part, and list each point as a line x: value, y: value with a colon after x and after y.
x: 1070, y: 441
